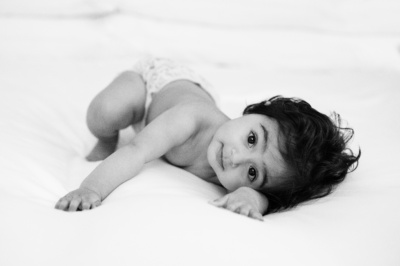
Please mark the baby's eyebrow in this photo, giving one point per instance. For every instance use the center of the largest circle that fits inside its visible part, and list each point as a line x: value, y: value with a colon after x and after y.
x: 265, y: 138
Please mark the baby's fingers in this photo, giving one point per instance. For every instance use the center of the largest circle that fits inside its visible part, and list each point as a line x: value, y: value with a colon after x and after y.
x: 256, y: 215
x: 85, y: 206
x: 89, y: 205
x: 221, y: 202
x: 62, y: 204
x: 74, y: 204
x: 249, y: 212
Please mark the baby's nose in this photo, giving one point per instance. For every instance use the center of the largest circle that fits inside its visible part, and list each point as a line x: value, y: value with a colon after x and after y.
x: 237, y: 158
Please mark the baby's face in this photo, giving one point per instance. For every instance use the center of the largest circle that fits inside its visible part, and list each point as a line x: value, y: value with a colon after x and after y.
x: 245, y: 152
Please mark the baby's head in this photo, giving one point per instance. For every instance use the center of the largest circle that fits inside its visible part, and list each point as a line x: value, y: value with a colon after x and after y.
x: 313, y: 148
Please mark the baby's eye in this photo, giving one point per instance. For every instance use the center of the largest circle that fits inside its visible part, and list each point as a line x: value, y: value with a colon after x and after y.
x: 252, y: 174
x: 251, y: 139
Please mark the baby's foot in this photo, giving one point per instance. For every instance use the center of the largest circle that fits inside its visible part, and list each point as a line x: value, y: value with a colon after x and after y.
x: 102, y: 150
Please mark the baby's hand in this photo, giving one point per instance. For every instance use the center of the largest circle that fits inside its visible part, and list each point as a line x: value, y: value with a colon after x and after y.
x: 244, y: 201
x: 80, y: 199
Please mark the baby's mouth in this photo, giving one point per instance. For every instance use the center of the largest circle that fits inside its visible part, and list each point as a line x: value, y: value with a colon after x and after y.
x: 221, y: 157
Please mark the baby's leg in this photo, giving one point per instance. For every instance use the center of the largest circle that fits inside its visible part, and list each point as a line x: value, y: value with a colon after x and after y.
x: 119, y: 105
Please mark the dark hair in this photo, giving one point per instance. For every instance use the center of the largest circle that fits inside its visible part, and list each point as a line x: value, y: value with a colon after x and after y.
x: 312, y: 145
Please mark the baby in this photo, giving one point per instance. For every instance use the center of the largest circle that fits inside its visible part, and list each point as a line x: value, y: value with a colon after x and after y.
x: 280, y: 153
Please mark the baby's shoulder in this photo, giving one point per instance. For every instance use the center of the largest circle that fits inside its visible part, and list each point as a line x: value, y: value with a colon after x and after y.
x: 202, y: 112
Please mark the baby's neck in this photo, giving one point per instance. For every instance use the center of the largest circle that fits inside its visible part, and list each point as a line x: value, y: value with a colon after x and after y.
x: 192, y: 154
x: 201, y: 167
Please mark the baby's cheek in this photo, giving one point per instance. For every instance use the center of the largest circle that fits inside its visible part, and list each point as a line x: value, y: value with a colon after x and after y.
x: 231, y: 181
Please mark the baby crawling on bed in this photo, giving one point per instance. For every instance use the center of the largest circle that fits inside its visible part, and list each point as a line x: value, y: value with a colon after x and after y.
x: 280, y: 153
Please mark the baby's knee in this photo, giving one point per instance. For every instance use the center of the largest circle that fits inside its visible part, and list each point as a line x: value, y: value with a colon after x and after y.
x: 102, y: 115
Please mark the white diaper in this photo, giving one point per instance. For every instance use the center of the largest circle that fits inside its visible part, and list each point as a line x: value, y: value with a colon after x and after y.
x: 158, y: 72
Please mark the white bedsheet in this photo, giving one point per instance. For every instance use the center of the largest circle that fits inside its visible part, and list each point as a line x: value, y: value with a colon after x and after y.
x: 340, y: 56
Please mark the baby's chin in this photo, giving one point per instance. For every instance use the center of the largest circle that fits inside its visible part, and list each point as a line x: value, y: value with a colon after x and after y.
x: 211, y: 156
x: 222, y: 182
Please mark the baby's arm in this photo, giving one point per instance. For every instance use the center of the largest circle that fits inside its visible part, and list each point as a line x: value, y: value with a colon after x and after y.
x: 112, y: 172
x: 245, y: 201
x: 170, y: 129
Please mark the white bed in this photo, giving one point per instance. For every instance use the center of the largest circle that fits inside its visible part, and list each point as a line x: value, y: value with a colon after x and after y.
x: 55, y: 56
